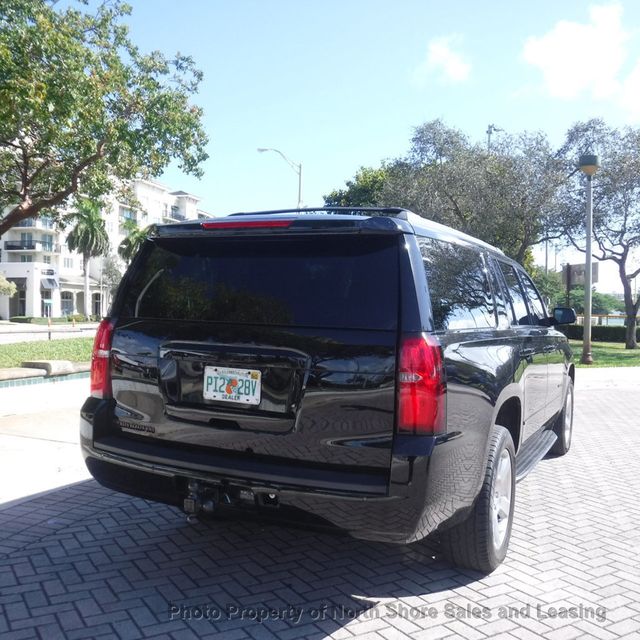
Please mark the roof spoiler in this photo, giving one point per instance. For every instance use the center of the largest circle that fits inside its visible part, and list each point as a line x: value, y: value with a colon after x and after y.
x: 392, y: 212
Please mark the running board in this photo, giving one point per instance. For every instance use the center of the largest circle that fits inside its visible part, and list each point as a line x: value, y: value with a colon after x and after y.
x: 532, y: 452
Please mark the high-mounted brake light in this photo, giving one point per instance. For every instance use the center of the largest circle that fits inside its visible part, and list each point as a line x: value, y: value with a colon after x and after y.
x: 100, y: 361
x: 246, y: 224
x: 421, y: 388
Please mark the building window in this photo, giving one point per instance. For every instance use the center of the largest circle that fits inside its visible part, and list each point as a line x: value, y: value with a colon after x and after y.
x: 46, y: 259
x: 68, y: 263
x: 26, y: 258
x: 47, y: 223
x: 47, y: 242
x: 126, y: 213
x: 66, y: 303
x: 96, y: 305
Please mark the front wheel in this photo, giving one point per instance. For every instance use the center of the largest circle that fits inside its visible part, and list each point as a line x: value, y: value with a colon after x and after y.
x: 481, y: 541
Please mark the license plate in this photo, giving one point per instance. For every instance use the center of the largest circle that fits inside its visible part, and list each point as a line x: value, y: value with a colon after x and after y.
x: 231, y: 385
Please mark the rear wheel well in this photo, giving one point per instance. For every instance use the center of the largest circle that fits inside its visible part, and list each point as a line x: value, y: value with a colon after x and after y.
x: 509, y: 417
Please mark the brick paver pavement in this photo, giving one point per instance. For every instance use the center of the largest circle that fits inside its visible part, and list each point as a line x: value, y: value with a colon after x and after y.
x: 82, y: 562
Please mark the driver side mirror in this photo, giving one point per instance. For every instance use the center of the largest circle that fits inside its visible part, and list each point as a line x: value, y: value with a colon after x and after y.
x: 564, y: 315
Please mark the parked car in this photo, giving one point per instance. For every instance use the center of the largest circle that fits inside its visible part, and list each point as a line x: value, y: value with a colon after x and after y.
x: 362, y: 369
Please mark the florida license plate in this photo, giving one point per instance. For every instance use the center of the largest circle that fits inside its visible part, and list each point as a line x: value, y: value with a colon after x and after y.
x: 232, y: 385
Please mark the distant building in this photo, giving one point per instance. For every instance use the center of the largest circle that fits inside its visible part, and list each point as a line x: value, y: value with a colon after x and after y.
x: 34, y: 254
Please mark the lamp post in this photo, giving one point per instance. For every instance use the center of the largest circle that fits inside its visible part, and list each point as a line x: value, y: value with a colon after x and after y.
x: 588, y: 165
x: 297, y: 167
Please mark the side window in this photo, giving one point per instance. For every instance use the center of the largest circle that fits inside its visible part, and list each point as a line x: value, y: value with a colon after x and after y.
x: 516, y: 294
x: 458, y: 283
x: 536, y: 306
x: 503, y: 308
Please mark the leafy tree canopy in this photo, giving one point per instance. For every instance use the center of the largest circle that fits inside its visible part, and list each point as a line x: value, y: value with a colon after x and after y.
x: 82, y: 109
x: 503, y: 197
x: 364, y: 190
x: 134, y: 239
x: 616, y: 203
x: 7, y: 288
x: 601, y: 303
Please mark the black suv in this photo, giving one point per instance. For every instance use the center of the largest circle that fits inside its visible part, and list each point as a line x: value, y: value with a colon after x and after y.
x: 363, y: 369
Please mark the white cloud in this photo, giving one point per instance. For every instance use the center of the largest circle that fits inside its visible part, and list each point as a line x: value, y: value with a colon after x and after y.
x: 630, y: 93
x: 587, y: 59
x: 443, y: 61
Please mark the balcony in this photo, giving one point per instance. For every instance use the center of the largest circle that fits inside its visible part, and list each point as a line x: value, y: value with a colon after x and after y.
x: 31, y: 245
x: 173, y: 217
x: 33, y: 223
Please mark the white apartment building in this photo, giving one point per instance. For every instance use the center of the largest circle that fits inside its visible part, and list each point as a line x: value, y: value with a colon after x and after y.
x: 49, y: 278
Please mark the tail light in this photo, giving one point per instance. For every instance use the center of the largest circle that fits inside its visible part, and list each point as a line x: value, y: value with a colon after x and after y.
x: 100, y: 360
x: 421, y: 388
x: 246, y: 224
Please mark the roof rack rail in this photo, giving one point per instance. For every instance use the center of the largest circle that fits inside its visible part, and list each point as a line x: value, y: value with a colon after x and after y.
x: 395, y: 212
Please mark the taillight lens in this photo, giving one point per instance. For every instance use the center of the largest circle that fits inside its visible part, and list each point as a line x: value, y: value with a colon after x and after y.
x: 421, y: 387
x: 100, y: 361
x: 246, y: 224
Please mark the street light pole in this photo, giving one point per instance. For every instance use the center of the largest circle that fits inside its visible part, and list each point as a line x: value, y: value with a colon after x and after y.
x: 588, y: 165
x: 297, y: 167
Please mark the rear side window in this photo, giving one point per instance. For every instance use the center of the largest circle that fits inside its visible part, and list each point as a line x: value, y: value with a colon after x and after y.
x: 461, y: 297
x: 517, y: 295
x: 536, y: 306
x: 330, y: 281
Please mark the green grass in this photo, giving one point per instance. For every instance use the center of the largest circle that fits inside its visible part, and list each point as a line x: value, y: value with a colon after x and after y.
x: 607, y: 354
x: 74, y: 349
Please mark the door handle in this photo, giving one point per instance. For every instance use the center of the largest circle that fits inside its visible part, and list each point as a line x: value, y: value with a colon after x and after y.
x: 527, y: 353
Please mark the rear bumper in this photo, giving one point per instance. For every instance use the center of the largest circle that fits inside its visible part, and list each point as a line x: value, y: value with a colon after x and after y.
x: 417, y: 500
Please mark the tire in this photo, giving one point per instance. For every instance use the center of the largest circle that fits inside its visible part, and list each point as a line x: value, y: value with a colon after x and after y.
x: 480, y: 542
x: 563, y: 424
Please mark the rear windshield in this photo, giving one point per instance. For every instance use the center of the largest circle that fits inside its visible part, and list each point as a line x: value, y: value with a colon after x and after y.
x: 331, y: 281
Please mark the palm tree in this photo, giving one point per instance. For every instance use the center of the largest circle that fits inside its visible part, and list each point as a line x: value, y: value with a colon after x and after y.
x: 88, y: 237
x: 133, y: 241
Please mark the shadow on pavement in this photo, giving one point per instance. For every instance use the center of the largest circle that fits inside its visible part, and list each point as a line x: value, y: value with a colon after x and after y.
x: 81, y: 561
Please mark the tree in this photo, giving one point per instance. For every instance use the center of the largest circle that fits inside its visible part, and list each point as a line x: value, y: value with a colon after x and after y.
x: 364, y: 190
x: 504, y: 197
x: 82, y: 109
x: 88, y: 237
x: 601, y: 303
x: 549, y: 285
x: 134, y: 239
x: 111, y: 274
x: 616, y: 204
x: 7, y: 288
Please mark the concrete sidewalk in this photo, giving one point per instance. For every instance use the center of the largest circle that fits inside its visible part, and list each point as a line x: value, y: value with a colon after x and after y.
x: 39, y: 440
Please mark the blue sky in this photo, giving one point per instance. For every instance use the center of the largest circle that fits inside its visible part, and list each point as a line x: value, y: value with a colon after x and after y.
x: 337, y: 85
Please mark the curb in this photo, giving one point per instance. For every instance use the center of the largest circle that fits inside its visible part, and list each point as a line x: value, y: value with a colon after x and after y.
x: 42, y: 379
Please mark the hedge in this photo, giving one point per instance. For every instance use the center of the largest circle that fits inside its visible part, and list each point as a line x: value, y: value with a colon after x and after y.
x: 599, y: 333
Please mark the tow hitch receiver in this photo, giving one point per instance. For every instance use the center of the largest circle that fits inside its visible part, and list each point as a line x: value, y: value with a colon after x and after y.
x: 199, y: 499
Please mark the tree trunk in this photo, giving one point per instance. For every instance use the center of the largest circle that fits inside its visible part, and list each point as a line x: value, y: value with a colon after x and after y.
x: 87, y: 291
x: 630, y: 309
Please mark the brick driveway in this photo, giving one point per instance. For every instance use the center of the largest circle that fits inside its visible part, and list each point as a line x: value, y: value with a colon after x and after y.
x: 82, y: 562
